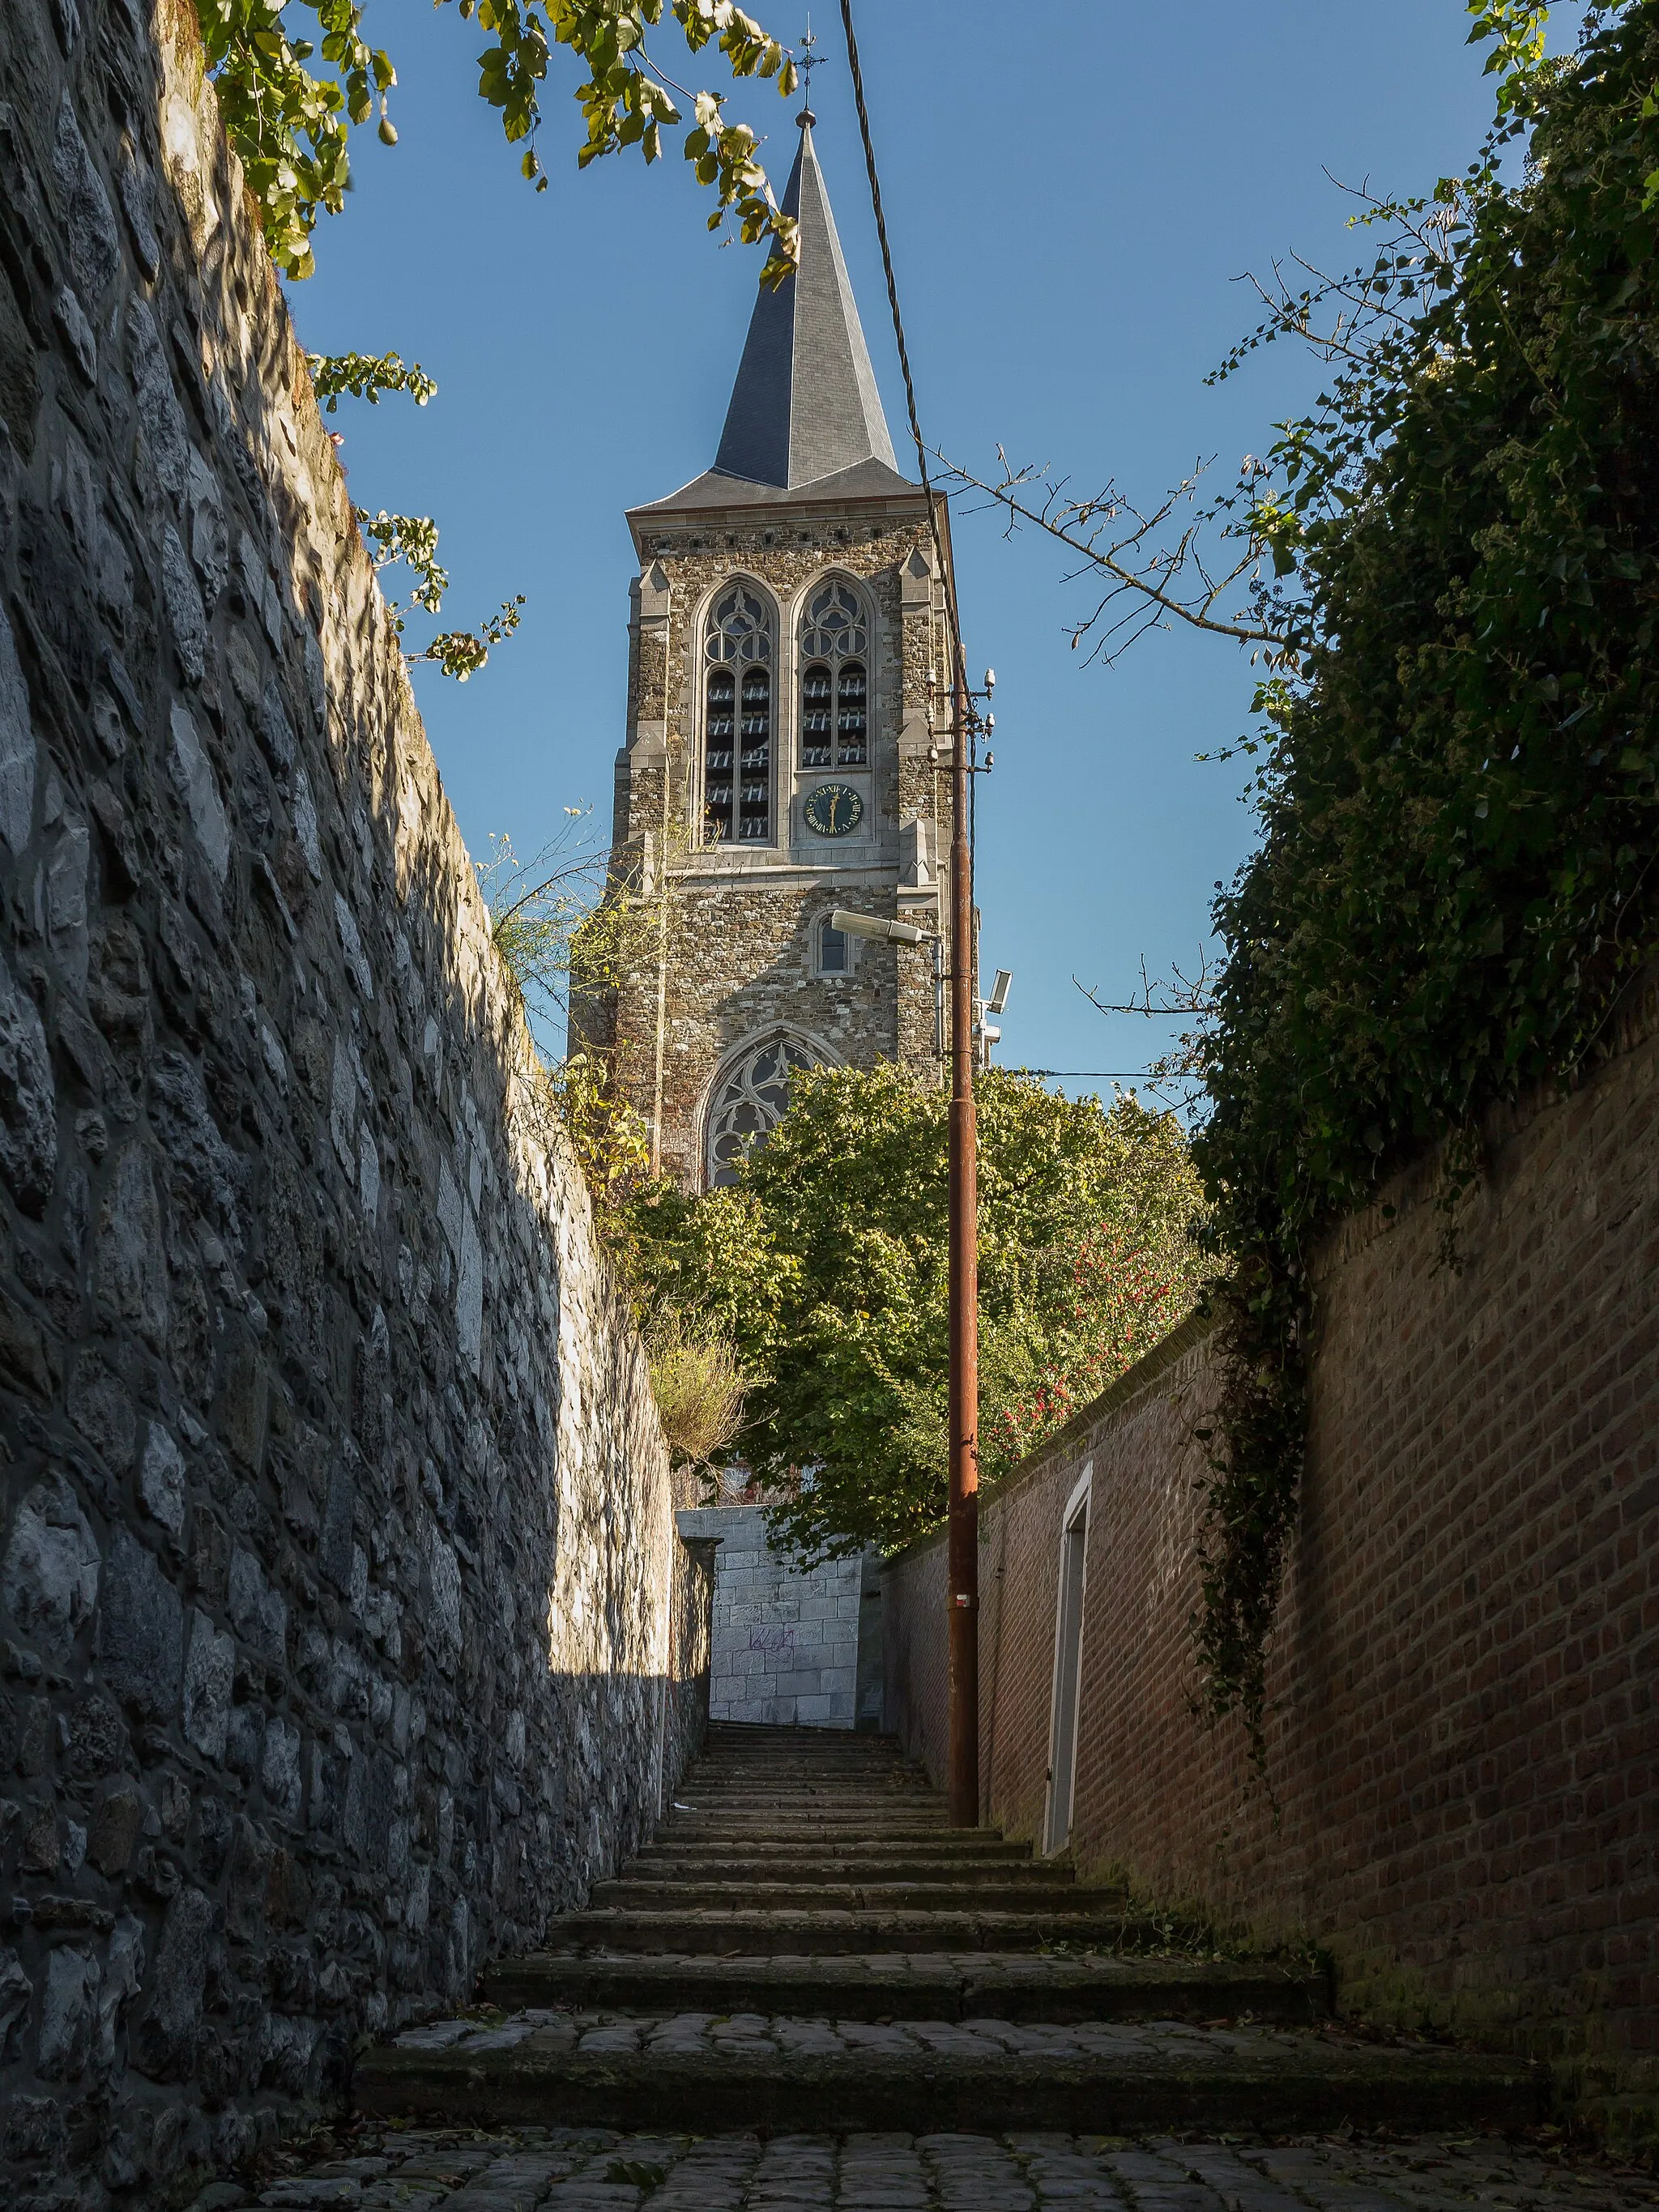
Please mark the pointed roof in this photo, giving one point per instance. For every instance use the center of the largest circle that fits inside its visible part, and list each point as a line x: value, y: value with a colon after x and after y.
x: 804, y: 409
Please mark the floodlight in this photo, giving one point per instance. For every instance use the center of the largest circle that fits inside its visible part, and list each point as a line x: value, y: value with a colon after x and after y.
x: 1000, y: 990
x: 872, y: 925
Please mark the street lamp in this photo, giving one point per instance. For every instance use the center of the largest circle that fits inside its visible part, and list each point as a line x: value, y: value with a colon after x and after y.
x: 872, y: 925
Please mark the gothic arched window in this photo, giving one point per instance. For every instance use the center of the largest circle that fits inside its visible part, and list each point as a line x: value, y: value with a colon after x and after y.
x: 834, y: 707
x: 750, y: 1098
x: 737, y: 739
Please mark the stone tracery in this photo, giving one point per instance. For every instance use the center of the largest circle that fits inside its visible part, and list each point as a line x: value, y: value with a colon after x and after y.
x: 835, y: 725
x: 750, y: 1098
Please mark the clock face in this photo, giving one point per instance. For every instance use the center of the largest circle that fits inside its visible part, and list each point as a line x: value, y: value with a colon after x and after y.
x: 834, y: 809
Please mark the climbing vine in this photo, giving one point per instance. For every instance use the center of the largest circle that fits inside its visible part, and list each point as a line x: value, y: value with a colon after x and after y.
x: 1459, y: 754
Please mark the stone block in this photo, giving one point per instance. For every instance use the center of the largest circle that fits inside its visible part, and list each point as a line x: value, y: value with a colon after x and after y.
x: 802, y: 1682
x: 259, y: 1611
x: 29, y: 1096
x: 130, y: 1267
x: 101, y: 1405
x: 161, y: 1478
x: 279, y: 1771
x: 112, y: 1832
x: 192, y: 772
x: 49, y: 1579
x: 16, y: 1991
x: 209, y: 1670
x: 68, y: 2014
x: 164, y: 2040
x: 17, y: 748
x: 141, y: 1629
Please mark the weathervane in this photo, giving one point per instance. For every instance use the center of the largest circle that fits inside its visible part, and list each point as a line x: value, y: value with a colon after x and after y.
x: 809, y: 61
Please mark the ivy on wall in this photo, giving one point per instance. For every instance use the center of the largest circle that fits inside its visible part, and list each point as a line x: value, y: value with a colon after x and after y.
x: 1457, y: 874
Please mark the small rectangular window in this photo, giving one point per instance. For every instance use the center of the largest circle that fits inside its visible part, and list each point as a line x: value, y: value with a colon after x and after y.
x: 835, y: 952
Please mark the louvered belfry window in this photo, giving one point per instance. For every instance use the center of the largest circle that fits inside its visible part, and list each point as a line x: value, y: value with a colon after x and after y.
x: 834, y: 707
x: 736, y: 758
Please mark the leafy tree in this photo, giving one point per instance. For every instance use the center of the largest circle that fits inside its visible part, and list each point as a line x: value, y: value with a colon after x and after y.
x: 291, y: 124
x: 825, y: 1267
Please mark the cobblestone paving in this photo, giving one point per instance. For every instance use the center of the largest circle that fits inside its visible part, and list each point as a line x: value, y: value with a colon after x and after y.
x: 598, y: 2170
x: 748, y: 2035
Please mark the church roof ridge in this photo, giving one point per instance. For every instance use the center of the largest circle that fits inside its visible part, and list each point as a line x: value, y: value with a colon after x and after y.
x: 804, y: 406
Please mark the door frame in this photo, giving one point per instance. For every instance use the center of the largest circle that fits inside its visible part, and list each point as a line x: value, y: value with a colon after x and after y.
x: 1068, y: 1645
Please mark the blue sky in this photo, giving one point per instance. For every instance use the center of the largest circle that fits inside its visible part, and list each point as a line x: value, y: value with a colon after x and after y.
x: 1068, y: 215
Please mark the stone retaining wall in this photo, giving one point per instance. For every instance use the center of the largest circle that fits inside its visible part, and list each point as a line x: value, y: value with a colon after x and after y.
x: 338, y: 1645
x: 1463, y: 1730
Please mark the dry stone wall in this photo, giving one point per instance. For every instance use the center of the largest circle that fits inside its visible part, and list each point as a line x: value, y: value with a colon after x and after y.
x: 337, y: 1639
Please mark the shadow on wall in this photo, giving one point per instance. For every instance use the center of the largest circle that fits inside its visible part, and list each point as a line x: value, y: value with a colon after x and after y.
x: 1461, y: 1703
x: 341, y: 1644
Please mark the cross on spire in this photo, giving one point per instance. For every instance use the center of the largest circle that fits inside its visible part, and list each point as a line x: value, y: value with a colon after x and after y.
x: 809, y: 61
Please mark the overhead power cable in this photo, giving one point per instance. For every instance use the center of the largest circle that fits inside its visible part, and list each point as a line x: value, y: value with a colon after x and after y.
x: 946, y: 575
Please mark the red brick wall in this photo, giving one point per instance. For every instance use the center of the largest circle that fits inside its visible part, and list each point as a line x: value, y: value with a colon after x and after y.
x: 1463, y: 1736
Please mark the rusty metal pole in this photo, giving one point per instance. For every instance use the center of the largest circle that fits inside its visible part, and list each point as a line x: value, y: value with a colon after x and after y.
x: 964, y: 1546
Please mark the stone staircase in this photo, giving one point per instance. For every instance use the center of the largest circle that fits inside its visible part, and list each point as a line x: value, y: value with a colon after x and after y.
x: 808, y: 1945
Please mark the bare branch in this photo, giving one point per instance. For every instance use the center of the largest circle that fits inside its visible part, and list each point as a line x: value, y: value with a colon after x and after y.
x: 1118, y: 540
x: 1160, y: 1001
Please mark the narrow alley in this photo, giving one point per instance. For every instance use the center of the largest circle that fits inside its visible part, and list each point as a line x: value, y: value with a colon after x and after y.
x: 809, y: 1991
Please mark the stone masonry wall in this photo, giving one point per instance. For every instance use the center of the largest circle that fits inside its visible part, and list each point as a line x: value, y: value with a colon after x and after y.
x: 336, y: 1643
x: 1463, y: 1728
x: 785, y: 1639
x: 737, y: 959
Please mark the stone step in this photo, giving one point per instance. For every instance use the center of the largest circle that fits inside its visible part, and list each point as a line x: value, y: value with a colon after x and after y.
x: 889, y: 1760
x: 701, y: 1827
x: 791, y: 1804
x: 774, y: 2075
x: 902, y: 1863
x: 769, y: 1735
x: 910, y: 1985
x: 815, y: 1933
x: 636, y: 1893
x: 750, y: 1763
x: 964, y: 1847
x: 878, y: 1787
x: 753, y: 1772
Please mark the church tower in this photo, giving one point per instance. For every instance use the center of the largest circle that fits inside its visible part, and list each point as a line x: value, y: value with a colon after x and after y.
x: 787, y: 751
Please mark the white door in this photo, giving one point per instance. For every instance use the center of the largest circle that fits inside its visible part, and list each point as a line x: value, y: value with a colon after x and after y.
x: 1068, y: 1661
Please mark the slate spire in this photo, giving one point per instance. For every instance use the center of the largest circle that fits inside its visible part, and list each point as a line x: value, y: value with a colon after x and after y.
x: 805, y: 405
